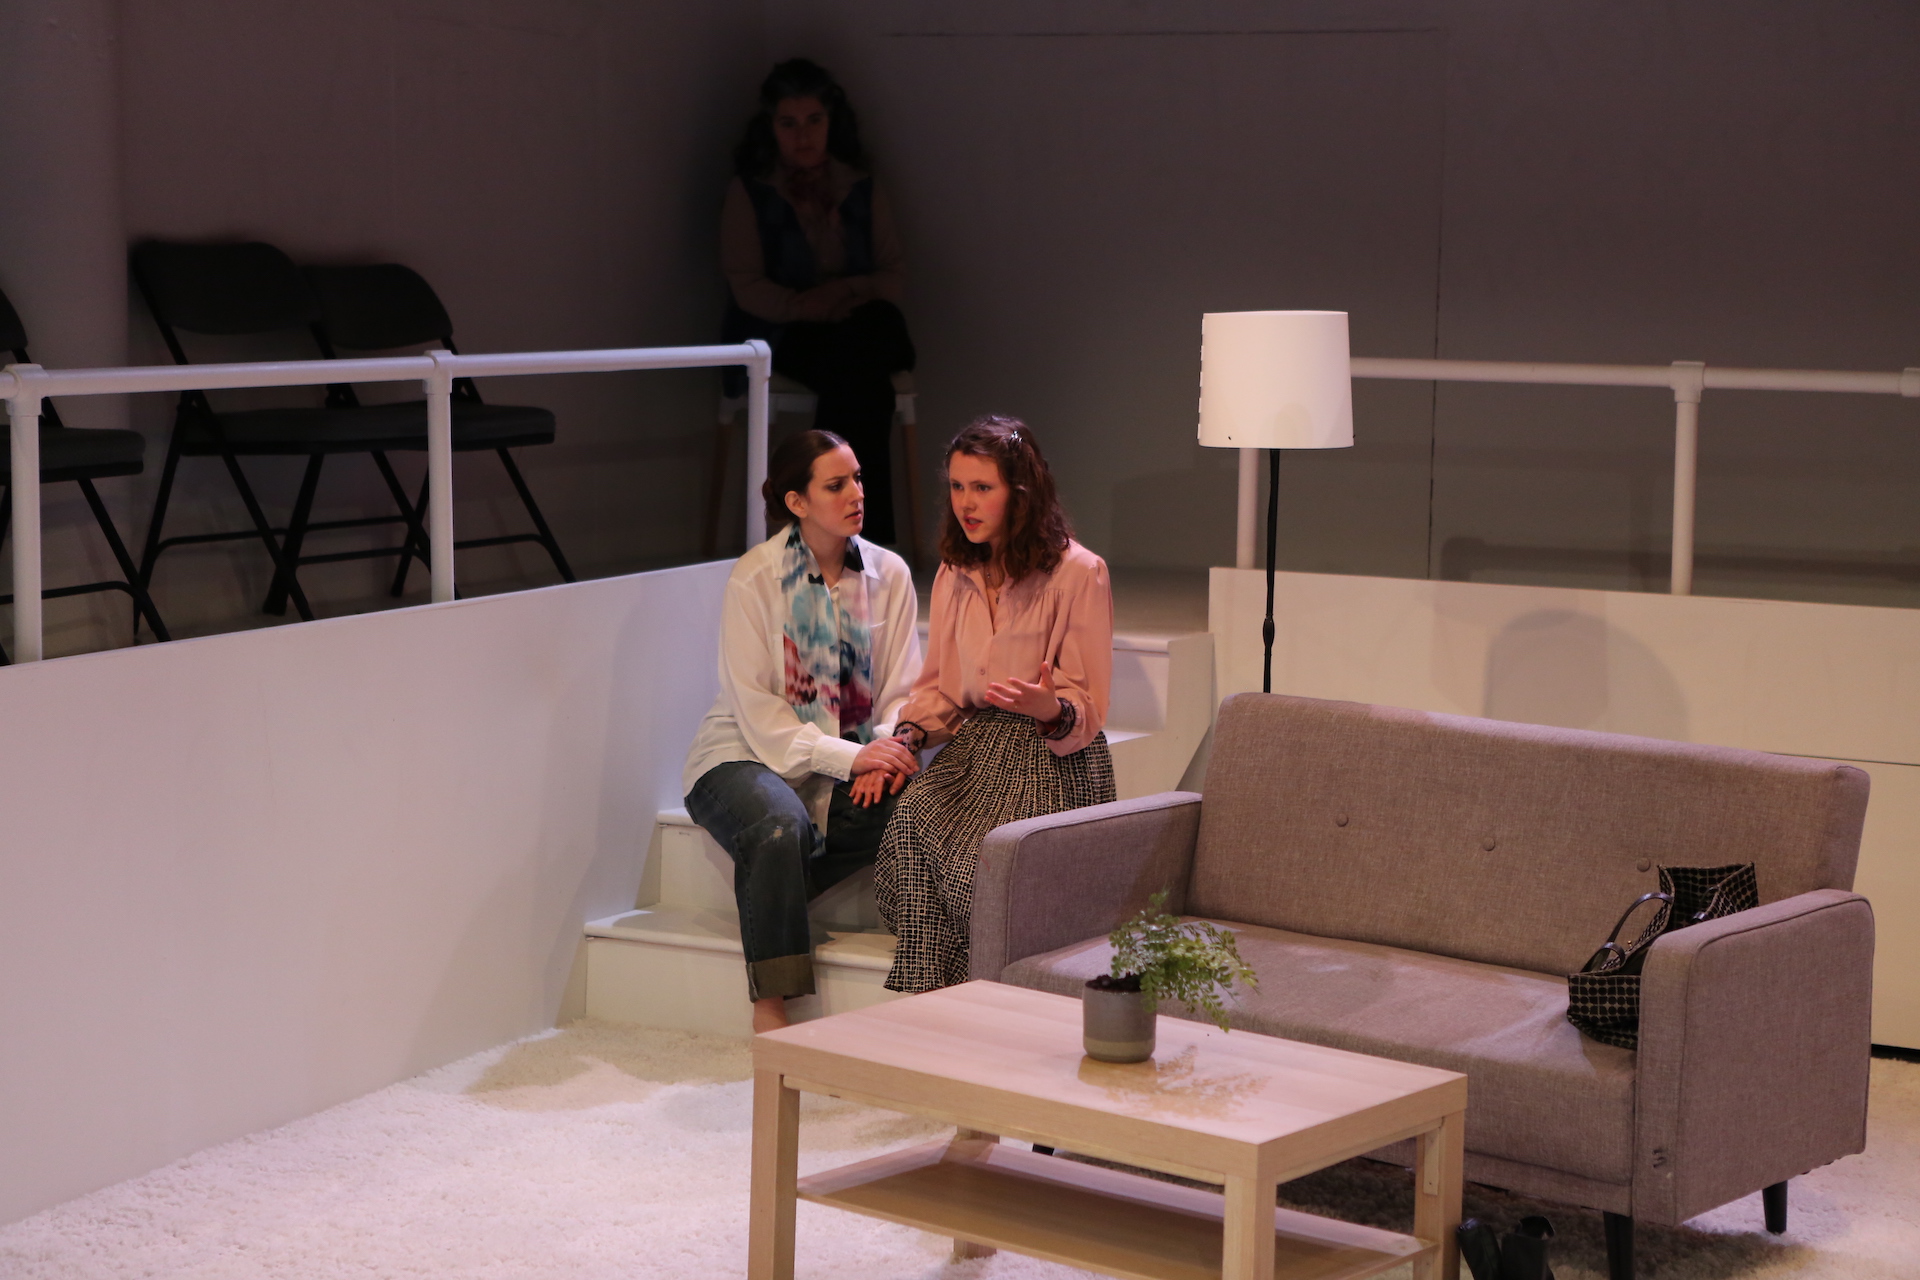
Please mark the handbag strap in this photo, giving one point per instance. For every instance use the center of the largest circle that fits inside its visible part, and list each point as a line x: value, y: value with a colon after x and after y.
x: 1708, y: 893
x: 1612, y: 955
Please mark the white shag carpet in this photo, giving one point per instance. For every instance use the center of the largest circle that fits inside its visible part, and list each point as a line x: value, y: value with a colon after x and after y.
x: 605, y: 1151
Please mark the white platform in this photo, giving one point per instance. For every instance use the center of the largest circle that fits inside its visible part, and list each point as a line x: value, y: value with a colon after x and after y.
x: 675, y: 961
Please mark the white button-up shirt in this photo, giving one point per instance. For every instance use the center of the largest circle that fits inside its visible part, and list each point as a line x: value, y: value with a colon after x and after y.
x: 752, y: 720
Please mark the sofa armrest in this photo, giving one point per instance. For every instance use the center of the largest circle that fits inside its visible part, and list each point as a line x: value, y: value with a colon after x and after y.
x: 1755, y: 1043
x: 1045, y: 882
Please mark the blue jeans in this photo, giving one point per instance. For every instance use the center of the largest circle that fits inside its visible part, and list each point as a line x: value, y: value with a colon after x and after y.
x: 780, y: 863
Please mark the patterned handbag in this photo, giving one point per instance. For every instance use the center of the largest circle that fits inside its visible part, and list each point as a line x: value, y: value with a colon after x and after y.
x: 1603, y: 999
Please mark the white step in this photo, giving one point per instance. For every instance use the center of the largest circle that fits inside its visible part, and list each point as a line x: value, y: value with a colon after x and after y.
x: 676, y: 961
x: 694, y: 872
x: 681, y: 968
x: 1162, y: 706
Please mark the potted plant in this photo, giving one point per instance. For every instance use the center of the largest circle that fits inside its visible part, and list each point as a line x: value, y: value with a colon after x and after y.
x: 1156, y: 956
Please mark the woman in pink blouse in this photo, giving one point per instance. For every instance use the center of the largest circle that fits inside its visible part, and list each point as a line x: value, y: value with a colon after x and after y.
x: 1016, y: 680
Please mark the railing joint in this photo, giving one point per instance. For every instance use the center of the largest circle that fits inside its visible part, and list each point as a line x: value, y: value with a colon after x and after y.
x: 1688, y: 380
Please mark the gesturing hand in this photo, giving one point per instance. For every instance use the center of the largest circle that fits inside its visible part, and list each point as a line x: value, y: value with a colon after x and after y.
x: 1036, y: 699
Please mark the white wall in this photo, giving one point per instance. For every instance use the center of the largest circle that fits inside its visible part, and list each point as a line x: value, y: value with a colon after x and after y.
x: 1079, y: 180
x: 1834, y: 681
x: 250, y: 876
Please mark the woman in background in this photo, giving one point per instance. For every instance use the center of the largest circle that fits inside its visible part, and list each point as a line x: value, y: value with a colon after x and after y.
x: 1019, y: 665
x: 795, y: 770
x: 814, y: 266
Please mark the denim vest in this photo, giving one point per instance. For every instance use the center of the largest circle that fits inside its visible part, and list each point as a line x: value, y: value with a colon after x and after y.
x: 787, y: 256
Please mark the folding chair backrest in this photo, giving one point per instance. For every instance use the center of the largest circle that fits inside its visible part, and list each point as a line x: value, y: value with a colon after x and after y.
x: 375, y: 308
x: 222, y: 288
x: 13, y: 341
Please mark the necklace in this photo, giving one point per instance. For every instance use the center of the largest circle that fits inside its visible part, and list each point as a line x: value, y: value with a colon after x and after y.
x: 994, y: 582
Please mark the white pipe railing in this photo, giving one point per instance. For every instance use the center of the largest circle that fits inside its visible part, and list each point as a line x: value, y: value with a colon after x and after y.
x: 1686, y: 379
x: 23, y: 387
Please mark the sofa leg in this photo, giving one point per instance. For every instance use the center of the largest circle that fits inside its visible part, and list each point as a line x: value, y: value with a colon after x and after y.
x: 1619, y: 1246
x: 1775, y: 1200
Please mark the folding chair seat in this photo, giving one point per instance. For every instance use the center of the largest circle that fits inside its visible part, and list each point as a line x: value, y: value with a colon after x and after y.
x: 386, y: 306
x: 254, y: 289
x: 80, y: 456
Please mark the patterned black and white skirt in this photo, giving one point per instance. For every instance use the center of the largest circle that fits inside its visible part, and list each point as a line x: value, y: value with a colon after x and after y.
x: 996, y: 770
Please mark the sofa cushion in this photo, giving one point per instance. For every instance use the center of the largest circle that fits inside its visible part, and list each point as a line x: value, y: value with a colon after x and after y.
x: 1538, y: 1092
x: 1511, y: 844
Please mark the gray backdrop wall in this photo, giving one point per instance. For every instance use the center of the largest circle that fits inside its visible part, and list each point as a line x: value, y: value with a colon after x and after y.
x: 1078, y: 182
x: 553, y: 168
x: 1482, y: 179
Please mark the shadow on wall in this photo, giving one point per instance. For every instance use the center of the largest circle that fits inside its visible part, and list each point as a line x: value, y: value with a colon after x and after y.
x: 1574, y: 670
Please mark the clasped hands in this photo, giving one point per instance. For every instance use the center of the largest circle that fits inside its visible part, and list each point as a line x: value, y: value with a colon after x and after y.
x: 827, y: 303
x: 882, y: 768
x: 884, y: 765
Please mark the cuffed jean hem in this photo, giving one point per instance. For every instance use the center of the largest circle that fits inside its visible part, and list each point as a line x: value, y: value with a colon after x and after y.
x: 786, y: 976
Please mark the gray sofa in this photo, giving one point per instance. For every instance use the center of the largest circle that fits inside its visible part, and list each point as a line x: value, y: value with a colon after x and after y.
x: 1416, y: 886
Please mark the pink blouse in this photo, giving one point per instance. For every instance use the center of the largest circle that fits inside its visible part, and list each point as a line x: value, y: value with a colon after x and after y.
x: 1065, y: 617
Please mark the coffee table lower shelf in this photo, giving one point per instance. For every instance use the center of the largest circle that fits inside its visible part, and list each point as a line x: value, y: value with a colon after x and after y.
x: 1085, y: 1216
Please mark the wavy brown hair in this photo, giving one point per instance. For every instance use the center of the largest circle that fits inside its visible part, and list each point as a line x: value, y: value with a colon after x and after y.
x: 1037, y: 529
x: 757, y: 151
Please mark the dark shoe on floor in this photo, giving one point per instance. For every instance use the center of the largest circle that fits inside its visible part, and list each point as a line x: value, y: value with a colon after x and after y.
x: 1523, y: 1251
x: 1479, y: 1249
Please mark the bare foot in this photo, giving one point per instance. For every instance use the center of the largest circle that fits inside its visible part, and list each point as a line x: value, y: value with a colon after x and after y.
x: 769, y: 1014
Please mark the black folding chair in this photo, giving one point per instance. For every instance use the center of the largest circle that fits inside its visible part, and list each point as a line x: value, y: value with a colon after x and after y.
x: 68, y: 453
x: 387, y: 306
x: 239, y: 289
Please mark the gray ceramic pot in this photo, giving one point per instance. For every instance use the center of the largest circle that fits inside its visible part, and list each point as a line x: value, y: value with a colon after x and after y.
x: 1116, y: 1025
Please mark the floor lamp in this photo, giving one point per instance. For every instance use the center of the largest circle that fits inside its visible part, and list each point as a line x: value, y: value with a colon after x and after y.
x: 1275, y: 380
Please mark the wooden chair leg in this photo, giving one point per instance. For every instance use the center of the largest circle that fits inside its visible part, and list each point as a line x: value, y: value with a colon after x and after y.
x: 1619, y: 1229
x: 1774, y: 1198
x: 716, y: 490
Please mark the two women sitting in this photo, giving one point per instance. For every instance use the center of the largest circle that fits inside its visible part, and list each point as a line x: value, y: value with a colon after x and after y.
x: 808, y: 766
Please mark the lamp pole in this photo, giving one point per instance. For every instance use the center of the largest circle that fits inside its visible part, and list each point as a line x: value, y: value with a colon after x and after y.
x: 1273, y: 543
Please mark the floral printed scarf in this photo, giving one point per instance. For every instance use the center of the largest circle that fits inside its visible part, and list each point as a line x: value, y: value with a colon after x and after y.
x: 829, y: 648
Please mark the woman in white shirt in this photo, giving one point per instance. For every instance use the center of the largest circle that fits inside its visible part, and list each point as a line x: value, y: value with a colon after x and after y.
x: 795, y: 769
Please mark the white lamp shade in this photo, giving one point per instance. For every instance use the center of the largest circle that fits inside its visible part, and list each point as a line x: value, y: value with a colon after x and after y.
x: 1275, y: 380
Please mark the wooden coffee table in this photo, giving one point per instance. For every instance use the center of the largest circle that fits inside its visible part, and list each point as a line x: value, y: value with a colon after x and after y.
x: 1243, y: 1110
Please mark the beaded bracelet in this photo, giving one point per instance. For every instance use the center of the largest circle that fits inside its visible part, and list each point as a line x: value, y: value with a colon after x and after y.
x: 1063, y: 727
